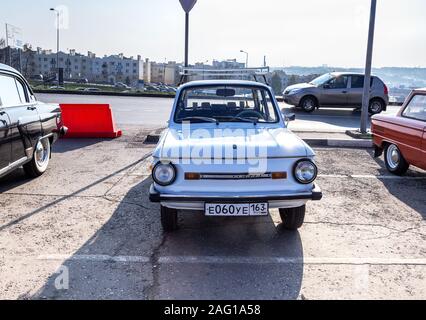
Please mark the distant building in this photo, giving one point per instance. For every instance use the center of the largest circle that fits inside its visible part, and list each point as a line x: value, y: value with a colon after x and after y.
x: 108, y: 69
x: 228, y: 64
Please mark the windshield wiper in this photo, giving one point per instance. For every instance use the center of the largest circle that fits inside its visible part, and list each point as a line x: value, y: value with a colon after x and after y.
x: 203, y: 119
x: 251, y: 120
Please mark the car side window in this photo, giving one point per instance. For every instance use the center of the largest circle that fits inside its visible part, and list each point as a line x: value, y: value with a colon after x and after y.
x: 416, y: 108
x: 9, y: 94
x: 339, y: 82
x: 21, y: 91
x: 357, y: 82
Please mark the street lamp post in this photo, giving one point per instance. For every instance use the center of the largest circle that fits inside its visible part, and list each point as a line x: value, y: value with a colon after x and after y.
x: 204, y: 68
x: 367, y: 78
x: 57, y: 43
x: 247, y: 57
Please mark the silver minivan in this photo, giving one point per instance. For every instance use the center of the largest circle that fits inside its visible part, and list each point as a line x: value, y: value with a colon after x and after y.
x: 339, y: 90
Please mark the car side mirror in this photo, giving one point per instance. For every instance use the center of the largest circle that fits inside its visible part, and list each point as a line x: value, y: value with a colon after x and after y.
x: 290, y: 117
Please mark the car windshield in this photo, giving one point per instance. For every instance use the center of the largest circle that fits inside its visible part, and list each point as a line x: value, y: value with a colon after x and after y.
x: 322, y: 79
x: 226, y: 104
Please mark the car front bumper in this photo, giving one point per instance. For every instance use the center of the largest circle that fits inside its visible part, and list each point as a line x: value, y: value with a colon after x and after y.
x: 292, y: 99
x: 197, y: 201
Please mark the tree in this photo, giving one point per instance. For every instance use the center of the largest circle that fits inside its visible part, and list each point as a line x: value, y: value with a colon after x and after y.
x: 276, y: 83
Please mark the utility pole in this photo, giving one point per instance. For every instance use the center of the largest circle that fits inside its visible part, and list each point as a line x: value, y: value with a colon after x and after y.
x: 57, y: 43
x: 367, y: 78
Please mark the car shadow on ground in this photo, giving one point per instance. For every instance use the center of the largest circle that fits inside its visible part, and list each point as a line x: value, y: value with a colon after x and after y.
x: 402, y: 188
x: 65, y: 145
x: 14, y: 179
x: 241, y: 251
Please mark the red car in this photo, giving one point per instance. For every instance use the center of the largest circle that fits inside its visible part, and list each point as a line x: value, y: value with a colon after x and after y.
x: 402, y: 138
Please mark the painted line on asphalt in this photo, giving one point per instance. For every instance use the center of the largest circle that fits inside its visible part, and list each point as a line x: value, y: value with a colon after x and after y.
x: 94, y: 258
x: 369, y: 176
x: 238, y: 260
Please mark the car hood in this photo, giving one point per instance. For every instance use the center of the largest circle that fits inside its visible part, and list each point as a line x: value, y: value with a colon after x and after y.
x: 249, y: 143
x: 300, y: 86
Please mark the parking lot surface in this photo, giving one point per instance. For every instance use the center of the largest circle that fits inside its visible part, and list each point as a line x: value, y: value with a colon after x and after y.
x: 86, y: 230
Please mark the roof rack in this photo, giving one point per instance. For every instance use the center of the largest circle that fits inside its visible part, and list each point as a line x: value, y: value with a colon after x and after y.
x: 241, y: 72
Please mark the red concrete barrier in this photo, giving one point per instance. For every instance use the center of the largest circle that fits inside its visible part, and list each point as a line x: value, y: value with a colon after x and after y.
x: 89, y: 121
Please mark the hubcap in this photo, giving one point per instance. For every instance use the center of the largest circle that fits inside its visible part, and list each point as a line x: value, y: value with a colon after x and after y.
x: 309, y: 104
x: 393, y: 156
x: 41, y: 153
x: 376, y: 107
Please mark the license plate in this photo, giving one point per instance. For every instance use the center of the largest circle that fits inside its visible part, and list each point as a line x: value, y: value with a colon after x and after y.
x: 236, y: 209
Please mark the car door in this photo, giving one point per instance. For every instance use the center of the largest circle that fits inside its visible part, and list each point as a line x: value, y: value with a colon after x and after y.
x: 335, y: 92
x: 25, y: 125
x: 413, y: 120
x: 5, y: 145
x: 356, y: 90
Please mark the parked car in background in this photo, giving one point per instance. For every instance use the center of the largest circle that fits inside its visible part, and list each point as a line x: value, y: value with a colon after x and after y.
x: 83, y: 80
x: 28, y: 128
x: 402, y: 138
x: 121, y: 85
x: 338, y: 90
x: 37, y: 77
x: 260, y: 166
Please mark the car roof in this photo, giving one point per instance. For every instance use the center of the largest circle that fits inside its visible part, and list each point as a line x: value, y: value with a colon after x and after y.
x: 5, y: 67
x: 422, y: 90
x: 346, y: 73
x: 202, y: 83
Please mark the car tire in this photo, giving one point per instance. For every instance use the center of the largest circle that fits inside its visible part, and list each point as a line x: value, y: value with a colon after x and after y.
x: 308, y: 104
x: 376, y: 106
x: 169, y: 219
x: 395, y: 161
x: 40, y: 160
x: 293, y: 218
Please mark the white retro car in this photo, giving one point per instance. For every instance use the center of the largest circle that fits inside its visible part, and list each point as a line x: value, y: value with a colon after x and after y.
x: 228, y: 152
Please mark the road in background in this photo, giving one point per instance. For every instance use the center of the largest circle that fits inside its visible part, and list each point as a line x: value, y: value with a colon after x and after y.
x: 154, y: 112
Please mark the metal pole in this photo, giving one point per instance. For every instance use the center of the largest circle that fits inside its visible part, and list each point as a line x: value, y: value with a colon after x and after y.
x: 186, y: 39
x: 367, y: 78
x: 57, y: 46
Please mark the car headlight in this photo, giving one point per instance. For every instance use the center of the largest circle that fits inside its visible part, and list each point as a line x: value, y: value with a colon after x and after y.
x: 294, y: 91
x: 164, y: 174
x: 305, y: 171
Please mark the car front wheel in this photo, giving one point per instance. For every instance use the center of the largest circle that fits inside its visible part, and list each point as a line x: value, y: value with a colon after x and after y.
x: 308, y: 104
x: 394, y: 160
x: 40, y: 161
x: 169, y: 219
x: 293, y: 218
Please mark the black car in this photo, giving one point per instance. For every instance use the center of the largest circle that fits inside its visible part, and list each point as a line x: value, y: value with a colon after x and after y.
x: 28, y: 128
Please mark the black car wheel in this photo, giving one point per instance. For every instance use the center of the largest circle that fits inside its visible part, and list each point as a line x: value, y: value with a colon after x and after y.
x: 308, y: 104
x: 394, y: 160
x: 376, y: 106
x: 293, y: 218
x: 40, y: 161
x: 169, y: 219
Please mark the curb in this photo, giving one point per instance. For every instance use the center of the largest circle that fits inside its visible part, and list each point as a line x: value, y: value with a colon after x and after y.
x: 153, y: 138
x: 340, y: 143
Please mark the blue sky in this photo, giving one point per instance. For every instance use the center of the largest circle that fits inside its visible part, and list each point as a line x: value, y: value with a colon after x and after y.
x: 288, y: 32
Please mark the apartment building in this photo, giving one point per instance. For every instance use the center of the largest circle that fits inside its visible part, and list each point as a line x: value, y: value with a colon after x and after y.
x: 107, y: 69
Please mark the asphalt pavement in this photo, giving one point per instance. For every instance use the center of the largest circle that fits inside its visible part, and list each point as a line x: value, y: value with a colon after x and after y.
x: 86, y: 230
x: 155, y: 112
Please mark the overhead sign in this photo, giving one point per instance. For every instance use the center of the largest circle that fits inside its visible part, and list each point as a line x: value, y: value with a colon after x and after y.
x: 14, y: 36
x: 187, y: 5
